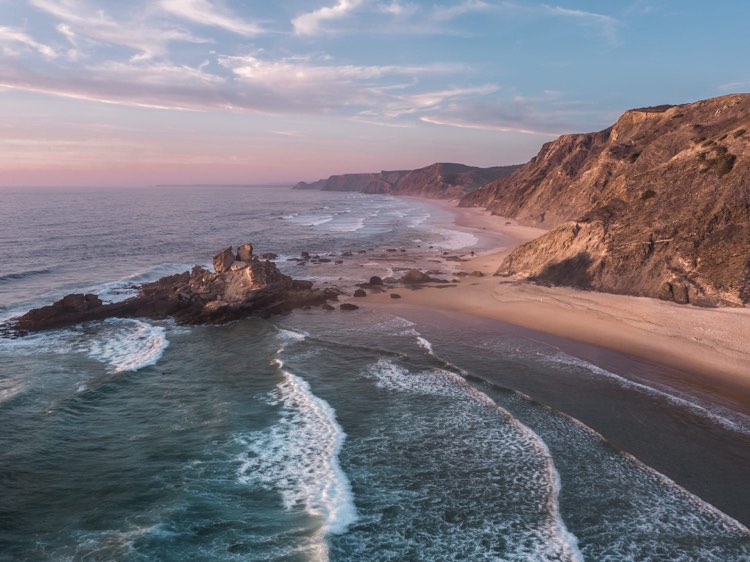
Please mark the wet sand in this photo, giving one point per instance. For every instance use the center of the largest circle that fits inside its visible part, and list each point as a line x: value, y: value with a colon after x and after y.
x: 707, y: 350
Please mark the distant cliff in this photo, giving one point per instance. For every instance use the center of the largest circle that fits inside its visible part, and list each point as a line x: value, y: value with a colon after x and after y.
x: 656, y: 205
x: 439, y: 181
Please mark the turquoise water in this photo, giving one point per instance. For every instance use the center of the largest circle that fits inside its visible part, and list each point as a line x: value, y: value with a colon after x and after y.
x: 375, y: 435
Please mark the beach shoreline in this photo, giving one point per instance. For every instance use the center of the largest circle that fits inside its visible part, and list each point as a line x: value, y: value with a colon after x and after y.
x: 705, y: 351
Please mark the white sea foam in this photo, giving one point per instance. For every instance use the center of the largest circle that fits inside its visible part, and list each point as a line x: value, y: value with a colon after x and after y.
x: 351, y: 225
x: 309, y: 220
x: 455, y: 239
x: 414, y: 222
x: 738, y: 422
x: 425, y: 344
x: 291, y: 335
x: 10, y: 388
x: 128, y: 345
x: 557, y: 543
x: 127, y: 287
x: 298, y: 456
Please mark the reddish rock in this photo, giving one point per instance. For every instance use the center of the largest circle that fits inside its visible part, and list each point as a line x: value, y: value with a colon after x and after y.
x: 223, y: 260
x: 245, y: 252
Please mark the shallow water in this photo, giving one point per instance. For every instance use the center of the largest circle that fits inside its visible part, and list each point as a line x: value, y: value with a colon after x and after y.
x: 315, y: 436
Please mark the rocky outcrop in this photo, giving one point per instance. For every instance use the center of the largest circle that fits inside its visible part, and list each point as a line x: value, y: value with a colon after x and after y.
x: 439, y: 181
x: 223, y: 260
x: 236, y: 289
x: 415, y: 277
x: 656, y: 205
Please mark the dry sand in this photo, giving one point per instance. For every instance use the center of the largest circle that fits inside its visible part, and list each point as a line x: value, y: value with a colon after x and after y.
x: 707, y: 349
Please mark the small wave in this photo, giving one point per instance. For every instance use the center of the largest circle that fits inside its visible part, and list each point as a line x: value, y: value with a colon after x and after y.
x: 291, y: 336
x: 455, y: 239
x: 349, y: 226
x: 23, y: 275
x: 128, y: 345
x: 555, y: 541
x: 741, y: 424
x: 127, y: 287
x: 426, y: 345
x: 10, y: 388
x: 309, y: 220
x: 418, y: 220
x: 298, y: 456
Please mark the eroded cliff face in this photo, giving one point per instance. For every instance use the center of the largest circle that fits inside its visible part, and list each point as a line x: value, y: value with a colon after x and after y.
x: 657, y: 205
x: 438, y: 181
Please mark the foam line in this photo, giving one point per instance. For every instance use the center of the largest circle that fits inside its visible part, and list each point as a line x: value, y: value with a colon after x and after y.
x: 739, y: 425
x: 128, y: 345
x: 298, y: 456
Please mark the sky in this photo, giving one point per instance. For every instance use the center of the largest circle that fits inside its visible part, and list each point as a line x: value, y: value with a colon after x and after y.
x: 145, y: 92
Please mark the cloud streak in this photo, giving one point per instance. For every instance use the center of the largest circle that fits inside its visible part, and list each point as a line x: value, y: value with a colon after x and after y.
x: 206, y: 13
x: 145, y: 38
x: 10, y: 36
x: 311, y: 22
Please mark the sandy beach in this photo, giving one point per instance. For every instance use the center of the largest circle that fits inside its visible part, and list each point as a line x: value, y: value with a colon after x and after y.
x: 707, y: 351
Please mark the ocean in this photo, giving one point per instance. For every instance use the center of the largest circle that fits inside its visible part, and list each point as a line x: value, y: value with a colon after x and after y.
x: 383, y: 434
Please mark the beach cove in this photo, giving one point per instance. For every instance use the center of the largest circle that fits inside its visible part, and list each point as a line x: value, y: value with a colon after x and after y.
x: 400, y: 429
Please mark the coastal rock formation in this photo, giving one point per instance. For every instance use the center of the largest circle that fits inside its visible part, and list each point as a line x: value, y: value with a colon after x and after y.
x: 414, y: 277
x: 657, y: 205
x: 439, y: 181
x: 237, y: 288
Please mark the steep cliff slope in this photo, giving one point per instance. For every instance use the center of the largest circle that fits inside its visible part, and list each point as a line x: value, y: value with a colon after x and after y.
x: 441, y: 181
x: 657, y: 205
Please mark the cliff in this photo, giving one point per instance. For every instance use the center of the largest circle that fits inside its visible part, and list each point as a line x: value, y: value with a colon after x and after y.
x: 439, y: 181
x: 656, y: 205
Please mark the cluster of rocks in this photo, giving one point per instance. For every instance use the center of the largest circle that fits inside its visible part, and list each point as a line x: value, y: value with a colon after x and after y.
x: 241, y: 285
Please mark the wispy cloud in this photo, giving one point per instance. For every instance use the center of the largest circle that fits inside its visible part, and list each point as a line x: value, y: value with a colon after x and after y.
x: 735, y: 86
x: 548, y: 114
x: 398, y: 9
x: 311, y: 22
x: 14, y: 37
x: 147, y: 39
x: 606, y: 26
x: 205, y: 13
x: 449, y: 12
x: 484, y: 126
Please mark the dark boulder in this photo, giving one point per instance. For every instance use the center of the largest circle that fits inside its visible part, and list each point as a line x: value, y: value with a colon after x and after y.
x: 375, y: 280
x: 360, y: 293
x: 348, y: 306
x: 395, y: 296
x: 414, y: 277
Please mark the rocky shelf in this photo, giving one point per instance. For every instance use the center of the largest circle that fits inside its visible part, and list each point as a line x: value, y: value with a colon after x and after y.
x: 241, y: 285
